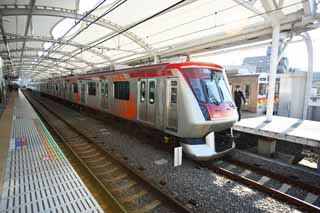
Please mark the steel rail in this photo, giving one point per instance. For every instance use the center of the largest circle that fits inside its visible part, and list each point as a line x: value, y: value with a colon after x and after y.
x: 265, y: 189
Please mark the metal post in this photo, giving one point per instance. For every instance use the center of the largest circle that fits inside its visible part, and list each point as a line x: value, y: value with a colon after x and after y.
x: 273, y: 69
x: 155, y: 59
x: 308, y: 42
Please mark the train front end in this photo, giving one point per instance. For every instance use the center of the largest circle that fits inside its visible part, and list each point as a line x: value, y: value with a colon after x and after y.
x: 209, y: 111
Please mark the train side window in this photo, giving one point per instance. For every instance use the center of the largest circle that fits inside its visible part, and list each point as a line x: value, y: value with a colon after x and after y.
x: 152, y: 91
x: 92, y: 88
x: 56, y: 87
x: 262, y: 89
x: 142, y: 91
x: 276, y: 90
x: 102, y: 91
x: 247, y: 91
x: 121, y: 90
x: 106, y: 92
x: 173, y: 98
x: 75, y: 88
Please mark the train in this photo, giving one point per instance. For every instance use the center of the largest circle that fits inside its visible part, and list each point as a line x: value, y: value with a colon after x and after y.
x: 254, y: 87
x: 189, y: 100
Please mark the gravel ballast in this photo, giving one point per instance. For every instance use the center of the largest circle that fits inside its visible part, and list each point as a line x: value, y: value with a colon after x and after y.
x: 201, y: 189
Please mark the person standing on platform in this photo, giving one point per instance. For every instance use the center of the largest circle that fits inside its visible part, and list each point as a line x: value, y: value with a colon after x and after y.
x: 238, y: 97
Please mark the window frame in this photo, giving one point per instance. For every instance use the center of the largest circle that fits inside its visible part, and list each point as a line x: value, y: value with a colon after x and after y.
x: 151, y: 93
x: 142, y: 92
x: 121, y: 90
x: 90, y: 88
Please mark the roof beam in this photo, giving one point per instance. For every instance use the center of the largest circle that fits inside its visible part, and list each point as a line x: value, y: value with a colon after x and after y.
x: 273, y: 10
x: 252, y: 34
x: 29, y: 49
x: 23, y: 65
x: 17, y: 10
x: 33, y: 56
x: 249, y: 5
x: 309, y: 8
x: 18, y: 38
x: 5, y: 42
x: 26, y: 30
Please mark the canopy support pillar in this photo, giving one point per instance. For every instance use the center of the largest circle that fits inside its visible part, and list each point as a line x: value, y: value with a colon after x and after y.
x: 308, y: 42
x: 273, y: 69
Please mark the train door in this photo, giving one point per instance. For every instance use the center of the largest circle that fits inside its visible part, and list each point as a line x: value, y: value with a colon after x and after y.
x: 104, y: 95
x: 172, y: 105
x: 147, y: 97
x: 83, y: 93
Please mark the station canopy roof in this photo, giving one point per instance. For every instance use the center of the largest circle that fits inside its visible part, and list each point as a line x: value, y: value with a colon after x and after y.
x: 45, y: 38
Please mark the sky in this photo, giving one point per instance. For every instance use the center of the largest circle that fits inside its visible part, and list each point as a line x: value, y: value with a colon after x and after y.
x: 295, y: 51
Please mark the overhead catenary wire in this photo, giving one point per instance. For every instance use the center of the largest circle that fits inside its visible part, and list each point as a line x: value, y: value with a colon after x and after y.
x: 217, y: 26
x: 183, y: 35
x: 113, y: 7
x: 71, y: 28
x: 213, y: 27
x: 130, y: 27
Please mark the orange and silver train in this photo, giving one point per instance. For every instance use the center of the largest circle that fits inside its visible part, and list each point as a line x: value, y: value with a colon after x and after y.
x: 254, y: 87
x: 189, y: 100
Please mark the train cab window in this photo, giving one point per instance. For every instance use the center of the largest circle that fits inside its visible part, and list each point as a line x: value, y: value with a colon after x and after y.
x: 142, y: 91
x: 247, y: 91
x: 92, y: 88
x: 121, y: 90
x: 75, y: 88
x: 262, y: 88
x: 152, y: 91
x: 197, y: 89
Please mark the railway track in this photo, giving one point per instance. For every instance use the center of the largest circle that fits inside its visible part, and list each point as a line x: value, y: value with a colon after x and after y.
x: 129, y: 189
x: 304, y: 196
x: 292, y: 191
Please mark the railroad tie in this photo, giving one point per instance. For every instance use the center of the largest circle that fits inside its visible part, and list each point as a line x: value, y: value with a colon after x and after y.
x: 263, y: 180
x: 86, y: 155
x: 284, y: 188
x: 99, y: 166
x: 311, y: 198
x: 230, y: 167
x: 148, y: 207
x: 96, y: 160
x: 133, y: 197
x: 91, y: 150
x: 124, y: 187
x: 108, y: 172
x: 117, y: 178
x: 245, y: 173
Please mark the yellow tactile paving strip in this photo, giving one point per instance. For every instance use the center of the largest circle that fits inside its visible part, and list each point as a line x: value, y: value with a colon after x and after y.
x: 5, y: 135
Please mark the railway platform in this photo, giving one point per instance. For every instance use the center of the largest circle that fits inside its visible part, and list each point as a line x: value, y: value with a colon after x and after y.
x: 293, y: 130
x: 35, y: 174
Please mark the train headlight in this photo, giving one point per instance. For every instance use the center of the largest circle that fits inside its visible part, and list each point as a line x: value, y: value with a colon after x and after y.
x: 205, y: 112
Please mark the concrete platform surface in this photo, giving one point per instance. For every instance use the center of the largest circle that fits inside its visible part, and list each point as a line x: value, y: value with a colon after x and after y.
x: 283, y: 128
x: 38, y: 177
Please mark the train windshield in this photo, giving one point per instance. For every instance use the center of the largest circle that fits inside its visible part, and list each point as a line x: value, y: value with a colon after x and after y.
x: 208, y: 85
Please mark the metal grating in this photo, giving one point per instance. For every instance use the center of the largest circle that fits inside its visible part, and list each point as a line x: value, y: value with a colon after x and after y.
x: 38, y: 176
